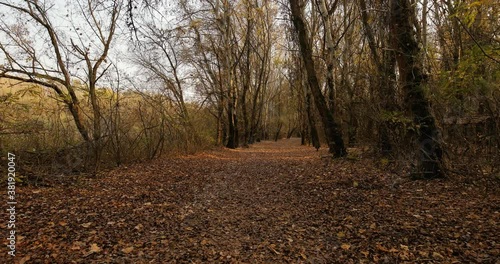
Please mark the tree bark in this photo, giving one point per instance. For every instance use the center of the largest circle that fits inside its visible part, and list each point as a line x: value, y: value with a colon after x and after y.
x: 332, y: 129
x: 429, y: 163
x: 329, y: 52
x: 313, y: 132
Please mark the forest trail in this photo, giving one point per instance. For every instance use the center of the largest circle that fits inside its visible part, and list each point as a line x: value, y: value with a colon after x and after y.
x: 275, y: 202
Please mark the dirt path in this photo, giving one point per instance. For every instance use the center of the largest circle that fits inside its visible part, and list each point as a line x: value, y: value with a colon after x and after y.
x: 271, y: 203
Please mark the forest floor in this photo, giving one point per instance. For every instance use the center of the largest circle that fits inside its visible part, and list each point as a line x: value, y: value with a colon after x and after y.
x: 275, y: 202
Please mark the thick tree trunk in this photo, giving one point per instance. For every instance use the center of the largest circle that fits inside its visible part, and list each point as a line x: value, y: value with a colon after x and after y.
x: 332, y: 129
x: 407, y: 56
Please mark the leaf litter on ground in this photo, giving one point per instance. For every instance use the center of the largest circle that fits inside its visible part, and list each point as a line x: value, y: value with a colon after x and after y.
x: 275, y: 202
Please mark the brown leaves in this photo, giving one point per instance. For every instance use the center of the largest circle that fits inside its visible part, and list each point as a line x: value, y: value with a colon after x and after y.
x: 94, y: 248
x: 77, y: 245
x: 128, y: 250
x: 139, y: 227
x: 384, y: 249
x: 272, y: 247
x: 437, y: 256
x: 345, y: 246
x: 86, y: 225
x: 270, y: 203
x: 24, y: 260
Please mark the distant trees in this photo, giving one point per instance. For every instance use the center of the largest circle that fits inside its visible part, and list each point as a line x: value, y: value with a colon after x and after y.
x: 236, y: 65
x: 400, y: 76
x: 161, y: 52
x: 216, y: 63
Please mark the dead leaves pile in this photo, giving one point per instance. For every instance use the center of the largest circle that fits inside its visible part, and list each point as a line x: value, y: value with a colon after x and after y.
x: 271, y: 203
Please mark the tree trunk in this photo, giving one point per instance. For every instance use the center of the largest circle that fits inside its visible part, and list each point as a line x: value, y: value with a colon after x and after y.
x: 407, y: 55
x: 96, y: 133
x: 385, y: 82
x: 246, y: 127
x: 332, y: 129
x: 220, y: 127
x: 314, y: 137
x: 329, y: 53
x: 232, y: 140
x: 278, y: 131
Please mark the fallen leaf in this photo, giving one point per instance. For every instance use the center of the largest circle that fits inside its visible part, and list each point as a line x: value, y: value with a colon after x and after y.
x: 340, y: 234
x: 23, y: 260
x: 345, y: 246
x: 86, y: 225
x: 404, y: 255
x: 384, y: 249
x: 272, y: 248
x: 436, y: 255
x: 127, y: 250
x: 75, y: 247
x: 381, y: 248
x: 94, y: 248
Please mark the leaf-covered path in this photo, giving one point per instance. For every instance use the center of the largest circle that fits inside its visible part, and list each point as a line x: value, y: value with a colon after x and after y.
x: 271, y: 203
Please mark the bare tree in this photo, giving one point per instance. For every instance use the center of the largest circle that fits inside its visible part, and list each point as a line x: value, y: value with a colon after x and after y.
x: 61, y: 53
x: 332, y: 129
x: 160, y: 54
